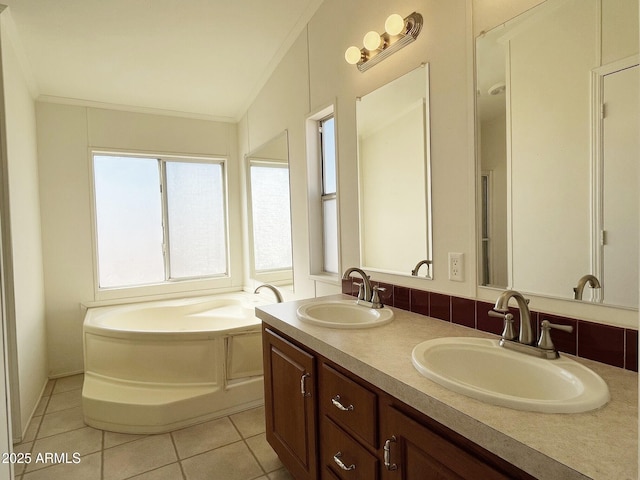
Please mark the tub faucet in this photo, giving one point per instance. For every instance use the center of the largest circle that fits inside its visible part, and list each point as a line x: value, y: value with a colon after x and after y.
x: 414, y: 272
x: 272, y: 288
x: 502, y: 306
x: 591, y: 280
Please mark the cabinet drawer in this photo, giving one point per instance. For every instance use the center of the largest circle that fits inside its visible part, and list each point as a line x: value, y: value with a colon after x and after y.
x: 343, y: 457
x: 349, y: 404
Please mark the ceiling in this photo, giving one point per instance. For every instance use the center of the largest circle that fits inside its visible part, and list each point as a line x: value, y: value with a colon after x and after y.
x: 205, y: 58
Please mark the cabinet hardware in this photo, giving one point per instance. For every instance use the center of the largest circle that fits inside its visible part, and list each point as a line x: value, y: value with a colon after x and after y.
x: 336, y: 403
x: 340, y: 463
x: 303, y: 389
x: 387, y: 454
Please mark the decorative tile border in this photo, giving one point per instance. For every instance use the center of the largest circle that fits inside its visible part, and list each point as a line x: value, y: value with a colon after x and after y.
x: 615, y: 346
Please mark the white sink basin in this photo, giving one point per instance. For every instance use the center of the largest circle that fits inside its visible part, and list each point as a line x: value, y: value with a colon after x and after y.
x: 344, y: 314
x: 482, y: 369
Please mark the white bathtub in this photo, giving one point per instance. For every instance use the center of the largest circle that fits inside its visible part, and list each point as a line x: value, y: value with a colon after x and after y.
x: 158, y: 366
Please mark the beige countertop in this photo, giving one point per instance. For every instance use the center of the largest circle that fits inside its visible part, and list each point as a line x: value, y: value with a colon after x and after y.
x: 601, y: 444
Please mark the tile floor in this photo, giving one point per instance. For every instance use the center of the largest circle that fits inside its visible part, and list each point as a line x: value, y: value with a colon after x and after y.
x: 228, y: 448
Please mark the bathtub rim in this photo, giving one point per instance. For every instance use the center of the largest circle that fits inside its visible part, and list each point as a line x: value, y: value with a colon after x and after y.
x: 92, y: 324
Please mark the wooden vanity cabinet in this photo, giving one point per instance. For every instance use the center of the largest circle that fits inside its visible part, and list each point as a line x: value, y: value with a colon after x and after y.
x: 326, y: 423
x: 413, y: 451
x: 290, y: 404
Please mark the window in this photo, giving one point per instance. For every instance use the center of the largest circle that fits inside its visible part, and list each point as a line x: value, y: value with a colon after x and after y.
x: 158, y: 219
x: 271, y: 218
x: 324, y: 217
x: 326, y: 127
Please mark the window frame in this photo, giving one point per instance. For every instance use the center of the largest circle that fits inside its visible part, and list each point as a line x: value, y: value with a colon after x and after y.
x: 327, y: 196
x: 169, y: 285
x: 315, y: 192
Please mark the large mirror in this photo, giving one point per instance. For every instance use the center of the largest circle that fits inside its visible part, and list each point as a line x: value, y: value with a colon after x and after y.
x: 269, y: 206
x: 559, y: 172
x: 394, y: 176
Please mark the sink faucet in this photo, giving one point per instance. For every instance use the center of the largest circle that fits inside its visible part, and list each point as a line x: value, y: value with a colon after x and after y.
x: 272, y: 288
x: 502, y: 305
x: 365, y: 279
x: 525, y: 343
x: 591, y: 280
x: 367, y: 295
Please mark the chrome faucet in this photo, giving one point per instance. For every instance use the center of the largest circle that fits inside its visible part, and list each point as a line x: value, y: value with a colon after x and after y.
x: 502, y: 306
x: 414, y: 272
x: 525, y: 343
x: 367, y: 295
x: 272, y: 288
x: 591, y: 280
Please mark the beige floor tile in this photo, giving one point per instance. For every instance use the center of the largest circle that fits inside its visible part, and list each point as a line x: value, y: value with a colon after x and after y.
x: 64, y: 384
x: 32, y: 430
x: 42, y: 405
x: 169, y: 472
x: 87, y: 469
x: 282, y: 474
x: 113, y: 439
x: 60, y: 422
x: 205, y: 436
x: 249, y: 423
x: 138, y: 457
x: 234, y: 461
x: 48, y: 388
x: 21, y: 448
x: 64, y: 400
x: 83, y: 441
x: 264, y: 453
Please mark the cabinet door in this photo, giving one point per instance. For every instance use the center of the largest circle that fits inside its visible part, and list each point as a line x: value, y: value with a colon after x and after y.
x: 289, y: 377
x: 414, y: 452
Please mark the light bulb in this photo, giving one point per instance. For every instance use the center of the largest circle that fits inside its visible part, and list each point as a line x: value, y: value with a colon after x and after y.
x: 394, y: 24
x: 372, y: 41
x: 353, y: 55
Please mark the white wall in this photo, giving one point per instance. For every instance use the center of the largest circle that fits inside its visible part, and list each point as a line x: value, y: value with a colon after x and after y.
x: 26, y: 313
x: 66, y: 133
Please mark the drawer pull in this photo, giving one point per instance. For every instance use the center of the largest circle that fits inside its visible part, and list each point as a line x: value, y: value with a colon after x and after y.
x: 336, y: 403
x: 340, y: 463
x: 387, y: 454
x: 303, y: 389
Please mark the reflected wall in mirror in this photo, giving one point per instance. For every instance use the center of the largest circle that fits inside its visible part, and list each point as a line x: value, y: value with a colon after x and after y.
x: 394, y: 175
x: 554, y: 201
x: 270, y: 212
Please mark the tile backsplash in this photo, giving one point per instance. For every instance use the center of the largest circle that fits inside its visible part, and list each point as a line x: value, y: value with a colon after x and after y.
x: 615, y: 346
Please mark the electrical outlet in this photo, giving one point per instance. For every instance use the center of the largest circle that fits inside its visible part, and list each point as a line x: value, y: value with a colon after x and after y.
x: 456, y: 267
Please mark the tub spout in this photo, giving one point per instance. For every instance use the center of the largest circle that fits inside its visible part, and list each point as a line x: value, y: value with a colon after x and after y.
x: 272, y: 288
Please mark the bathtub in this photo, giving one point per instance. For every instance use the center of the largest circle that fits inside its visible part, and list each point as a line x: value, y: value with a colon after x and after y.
x: 157, y: 366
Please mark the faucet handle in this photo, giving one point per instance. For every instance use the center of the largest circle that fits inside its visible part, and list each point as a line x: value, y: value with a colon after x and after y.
x: 375, y: 296
x: 360, y: 290
x: 508, y: 332
x: 545, y: 342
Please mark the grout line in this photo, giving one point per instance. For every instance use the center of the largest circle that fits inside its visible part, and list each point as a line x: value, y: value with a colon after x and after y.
x: 179, y: 461
x: 244, y: 440
x: 102, y: 441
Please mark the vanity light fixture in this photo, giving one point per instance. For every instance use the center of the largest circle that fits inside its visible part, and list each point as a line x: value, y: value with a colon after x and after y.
x: 398, y: 33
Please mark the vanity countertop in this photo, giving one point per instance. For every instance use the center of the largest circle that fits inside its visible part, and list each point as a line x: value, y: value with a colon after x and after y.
x: 601, y: 444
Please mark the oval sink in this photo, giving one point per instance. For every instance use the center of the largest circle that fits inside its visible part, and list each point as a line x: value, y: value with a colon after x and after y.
x: 343, y: 314
x: 482, y: 369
